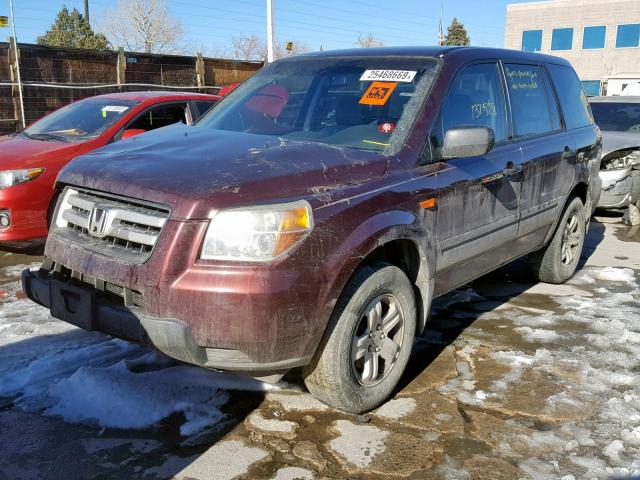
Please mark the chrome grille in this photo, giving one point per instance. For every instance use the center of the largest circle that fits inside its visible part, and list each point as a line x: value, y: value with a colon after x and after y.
x: 115, y: 226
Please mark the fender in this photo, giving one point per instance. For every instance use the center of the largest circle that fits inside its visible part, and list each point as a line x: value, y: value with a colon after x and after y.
x: 381, y: 229
x: 580, y: 180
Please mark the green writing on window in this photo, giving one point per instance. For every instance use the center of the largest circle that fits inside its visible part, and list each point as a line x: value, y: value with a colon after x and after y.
x: 486, y: 109
x: 522, y: 79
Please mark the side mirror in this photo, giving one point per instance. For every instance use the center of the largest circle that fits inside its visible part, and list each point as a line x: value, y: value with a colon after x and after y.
x: 470, y: 141
x: 132, y: 132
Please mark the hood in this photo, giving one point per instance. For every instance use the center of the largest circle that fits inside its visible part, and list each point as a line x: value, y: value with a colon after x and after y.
x: 196, y: 170
x: 19, y: 152
x: 612, y: 141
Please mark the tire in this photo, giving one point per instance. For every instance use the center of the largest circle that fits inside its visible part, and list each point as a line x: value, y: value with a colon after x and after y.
x: 554, y: 263
x: 343, y: 372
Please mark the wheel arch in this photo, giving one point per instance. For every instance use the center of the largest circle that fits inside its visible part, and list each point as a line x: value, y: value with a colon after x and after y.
x: 399, y: 239
x: 582, y: 191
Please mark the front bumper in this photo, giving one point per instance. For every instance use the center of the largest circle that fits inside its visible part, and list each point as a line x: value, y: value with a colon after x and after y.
x: 617, y: 188
x: 27, y: 205
x: 86, y: 308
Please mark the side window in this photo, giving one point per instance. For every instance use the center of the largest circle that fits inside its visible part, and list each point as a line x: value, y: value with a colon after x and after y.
x: 203, y: 106
x: 573, y: 100
x: 160, y: 117
x: 475, y: 99
x: 533, y: 108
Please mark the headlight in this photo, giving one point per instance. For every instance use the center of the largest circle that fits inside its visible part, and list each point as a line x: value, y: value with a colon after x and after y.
x: 9, y: 178
x: 258, y: 233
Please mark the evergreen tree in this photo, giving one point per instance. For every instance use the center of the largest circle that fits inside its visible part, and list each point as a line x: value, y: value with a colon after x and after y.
x: 72, y: 30
x: 457, y: 34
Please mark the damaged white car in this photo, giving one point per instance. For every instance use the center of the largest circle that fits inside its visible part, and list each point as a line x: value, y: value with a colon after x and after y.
x: 619, y: 120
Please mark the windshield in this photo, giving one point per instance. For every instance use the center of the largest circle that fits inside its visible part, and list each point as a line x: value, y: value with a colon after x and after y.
x: 617, y: 117
x: 358, y: 102
x: 80, y: 121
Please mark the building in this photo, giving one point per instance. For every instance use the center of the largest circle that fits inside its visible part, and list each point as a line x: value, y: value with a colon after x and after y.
x: 601, y: 38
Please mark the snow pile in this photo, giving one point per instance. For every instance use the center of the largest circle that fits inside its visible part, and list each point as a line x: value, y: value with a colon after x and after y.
x: 50, y: 367
x: 119, y: 397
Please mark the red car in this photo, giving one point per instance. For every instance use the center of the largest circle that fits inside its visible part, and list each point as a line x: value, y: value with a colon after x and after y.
x: 30, y: 160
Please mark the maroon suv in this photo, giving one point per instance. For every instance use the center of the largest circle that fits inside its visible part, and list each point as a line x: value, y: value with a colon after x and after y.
x: 312, y: 215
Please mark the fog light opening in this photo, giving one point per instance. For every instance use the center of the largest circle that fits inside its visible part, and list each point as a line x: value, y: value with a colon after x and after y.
x: 5, y: 220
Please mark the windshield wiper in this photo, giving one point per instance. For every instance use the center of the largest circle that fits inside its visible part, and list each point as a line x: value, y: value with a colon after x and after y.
x: 46, y: 136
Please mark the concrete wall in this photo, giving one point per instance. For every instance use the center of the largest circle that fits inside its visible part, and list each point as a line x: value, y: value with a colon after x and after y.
x: 598, y: 64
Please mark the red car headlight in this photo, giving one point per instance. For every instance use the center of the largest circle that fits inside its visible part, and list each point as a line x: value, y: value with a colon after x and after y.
x: 9, y: 178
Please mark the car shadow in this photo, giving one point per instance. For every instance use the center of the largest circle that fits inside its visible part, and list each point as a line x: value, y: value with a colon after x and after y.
x: 494, y: 289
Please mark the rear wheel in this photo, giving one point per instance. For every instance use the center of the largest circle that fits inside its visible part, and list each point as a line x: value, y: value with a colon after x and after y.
x: 368, y: 341
x: 557, y: 262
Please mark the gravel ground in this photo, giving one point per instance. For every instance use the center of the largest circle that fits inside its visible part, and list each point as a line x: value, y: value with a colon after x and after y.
x: 511, y: 379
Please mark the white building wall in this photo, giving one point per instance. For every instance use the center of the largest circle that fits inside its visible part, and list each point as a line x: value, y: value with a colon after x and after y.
x: 591, y: 64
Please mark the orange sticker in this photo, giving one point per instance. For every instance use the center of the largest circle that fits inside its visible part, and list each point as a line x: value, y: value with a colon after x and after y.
x: 378, y: 93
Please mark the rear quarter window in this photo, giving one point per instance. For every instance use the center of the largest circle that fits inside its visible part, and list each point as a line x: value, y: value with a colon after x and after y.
x: 532, y: 108
x: 573, y: 100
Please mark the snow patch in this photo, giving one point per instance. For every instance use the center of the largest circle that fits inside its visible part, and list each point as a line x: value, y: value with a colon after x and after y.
x: 615, y: 274
x: 538, y: 335
x: 226, y: 459
x: 397, y: 408
x: 294, y: 473
x: 358, y: 444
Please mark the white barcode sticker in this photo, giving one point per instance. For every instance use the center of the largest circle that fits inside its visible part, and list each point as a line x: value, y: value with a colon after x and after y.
x: 388, y: 75
x: 115, y: 108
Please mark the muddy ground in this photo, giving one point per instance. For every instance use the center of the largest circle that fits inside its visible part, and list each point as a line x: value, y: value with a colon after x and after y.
x: 511, y: 379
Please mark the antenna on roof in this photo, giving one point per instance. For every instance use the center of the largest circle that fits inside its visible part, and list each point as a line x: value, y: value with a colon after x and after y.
x: 440, y: 32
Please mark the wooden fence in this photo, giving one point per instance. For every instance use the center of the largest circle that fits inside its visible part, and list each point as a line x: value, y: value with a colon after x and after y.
x: 54, y: 77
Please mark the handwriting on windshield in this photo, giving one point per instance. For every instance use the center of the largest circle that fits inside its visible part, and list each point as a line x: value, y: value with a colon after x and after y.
x: 522, y: 79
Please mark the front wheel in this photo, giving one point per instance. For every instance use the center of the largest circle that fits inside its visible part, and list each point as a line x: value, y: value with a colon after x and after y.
x: 557, y: 262
x: 368, y: 341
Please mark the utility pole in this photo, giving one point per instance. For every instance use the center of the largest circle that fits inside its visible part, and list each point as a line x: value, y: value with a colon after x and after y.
x: 17, y: 55
x: 270, y: 54
x: 440, y: 32
x: 86, y: 11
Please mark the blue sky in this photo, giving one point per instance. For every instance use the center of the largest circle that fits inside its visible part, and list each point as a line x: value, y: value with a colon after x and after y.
x: 328, y: 23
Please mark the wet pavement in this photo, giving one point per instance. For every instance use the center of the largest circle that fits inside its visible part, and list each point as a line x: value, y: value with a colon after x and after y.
x: 512, y: 379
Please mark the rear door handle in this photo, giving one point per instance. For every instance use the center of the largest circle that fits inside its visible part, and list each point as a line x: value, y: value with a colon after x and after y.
x: 568, y: 153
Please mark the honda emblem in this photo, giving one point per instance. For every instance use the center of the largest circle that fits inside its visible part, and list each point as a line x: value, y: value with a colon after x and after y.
x: 99, y: 222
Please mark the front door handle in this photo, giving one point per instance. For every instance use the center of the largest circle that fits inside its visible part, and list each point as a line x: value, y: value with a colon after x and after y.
x: 511, y: 169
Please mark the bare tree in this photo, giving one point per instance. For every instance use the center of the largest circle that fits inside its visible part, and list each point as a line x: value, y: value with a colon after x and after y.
x: 368, y: 41
x: 143, y: 25
x: 297, y: 47
x: 280, y: 49
x: 250, y: 47
x: 247, y: 47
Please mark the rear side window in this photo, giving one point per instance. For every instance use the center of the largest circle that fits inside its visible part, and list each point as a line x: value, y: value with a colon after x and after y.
x: 573, y: 100
x: 159, y: 117
x: 476, y: 99
x: 533, y: 112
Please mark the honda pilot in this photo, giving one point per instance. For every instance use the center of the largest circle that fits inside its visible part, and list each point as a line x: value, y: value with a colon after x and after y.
x: 310, y: 218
